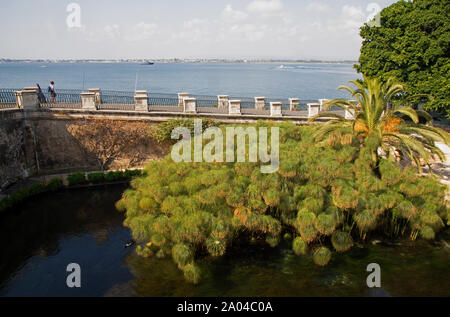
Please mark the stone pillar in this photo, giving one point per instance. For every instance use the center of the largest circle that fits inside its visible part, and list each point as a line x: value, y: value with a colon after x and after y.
x: 275, y: 109
x: 260, y: 103
x: 98, y: 98
x: 27, y: 98
x: 190, y: 105
x: 88, y: 100
x: 19, y: 99
x: 234, y: 107
x: 140, y: 100
x: 222, y: 101
x: 294, y: 104
x: 313, y: 109
x: 349, y: 113
x: 321, y: 102
x: 181, y: 97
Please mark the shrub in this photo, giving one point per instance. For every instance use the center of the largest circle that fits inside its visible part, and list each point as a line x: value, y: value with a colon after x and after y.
x: 207, y: 207
x: 299, y: 246
x: 76, y: 179
x: 96, y: 178
x: 54, y: 184
x: 322, y: 256
x: 192, y: 273
x: 114, y: 176
x: 342, y: 241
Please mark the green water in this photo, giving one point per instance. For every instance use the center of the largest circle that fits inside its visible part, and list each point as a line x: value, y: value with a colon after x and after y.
x: 82, y: 226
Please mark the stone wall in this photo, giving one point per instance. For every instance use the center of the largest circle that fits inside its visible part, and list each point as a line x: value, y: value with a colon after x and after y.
x: 47, y: 145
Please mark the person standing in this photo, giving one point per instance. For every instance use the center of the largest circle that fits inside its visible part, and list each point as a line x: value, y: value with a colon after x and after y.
x: 51, y: 90
x: 41, y: 96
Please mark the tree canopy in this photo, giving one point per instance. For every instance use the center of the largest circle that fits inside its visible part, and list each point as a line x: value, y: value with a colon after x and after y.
x: 412, y: 45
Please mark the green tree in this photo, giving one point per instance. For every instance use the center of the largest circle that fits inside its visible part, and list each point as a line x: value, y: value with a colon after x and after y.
x: 378, y: 125
x: 412, y: 45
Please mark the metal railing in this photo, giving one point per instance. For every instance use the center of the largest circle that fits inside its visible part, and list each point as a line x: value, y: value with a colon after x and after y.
x: 65, y: 98
x: 157, y: 99
x: 7, y: 98
x: 157, y: 102
x: 116, y: 97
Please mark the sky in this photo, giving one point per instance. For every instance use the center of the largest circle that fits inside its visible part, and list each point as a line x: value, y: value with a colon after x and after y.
x: 150, y: 29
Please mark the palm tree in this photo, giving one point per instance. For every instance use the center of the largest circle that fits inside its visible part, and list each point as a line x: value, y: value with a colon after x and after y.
x: 393, y: 127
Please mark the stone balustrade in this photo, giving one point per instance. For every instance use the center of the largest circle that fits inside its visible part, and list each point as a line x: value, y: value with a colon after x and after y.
x: 141, y: 100
x: 275, y: 109
x: 98, y: 99
x: 313, y: 109
x: 190, y: 105
x: 222, y: 101
x: 294, y: 104
x: 88, y: 101
x: 181, y: 97
x: 260, y: 103
x: 27, y: 99
x: 234, y: 107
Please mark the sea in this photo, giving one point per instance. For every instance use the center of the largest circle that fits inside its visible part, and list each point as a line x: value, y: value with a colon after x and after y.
x: 307, y: 81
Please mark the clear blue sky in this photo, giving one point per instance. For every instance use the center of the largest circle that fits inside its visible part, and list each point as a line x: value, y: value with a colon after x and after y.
x: 294, y: 29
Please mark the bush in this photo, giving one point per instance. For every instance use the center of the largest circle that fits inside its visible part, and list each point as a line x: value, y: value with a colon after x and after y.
x: 54, y: 184
x: 322, y: 256
x: 162, y: 133
x: 76, y: 179
x: 114, y: 176
x: 299, y: 246
x: 207, y: 206
x: 192, y: 273
x: 96, y: 178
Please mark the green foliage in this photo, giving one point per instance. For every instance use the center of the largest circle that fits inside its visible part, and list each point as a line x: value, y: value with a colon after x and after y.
x: 380, y: 125
x: 76, y: 179
x: 96, y: 178
x: 411, y: 45
x: 114, y: 176
x: 322, y: 256
x: 182, y: 254
x: 299, y: 246
x: 192, y: 273
x: 54, y: 184
x: 162, y: 133
x: 199, y: 209
x: 341, y: 240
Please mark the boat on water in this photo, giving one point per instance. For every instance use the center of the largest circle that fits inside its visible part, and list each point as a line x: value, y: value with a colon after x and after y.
x: 147, y: 63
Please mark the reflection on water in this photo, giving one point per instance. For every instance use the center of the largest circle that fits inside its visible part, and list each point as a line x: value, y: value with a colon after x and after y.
x: 42, y: 237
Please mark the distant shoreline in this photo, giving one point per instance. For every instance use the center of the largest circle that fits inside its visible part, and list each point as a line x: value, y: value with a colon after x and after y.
x: 172, y: 61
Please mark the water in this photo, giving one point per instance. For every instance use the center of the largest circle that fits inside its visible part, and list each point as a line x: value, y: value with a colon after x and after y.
x: 42, y: 237
x: 304, y: 81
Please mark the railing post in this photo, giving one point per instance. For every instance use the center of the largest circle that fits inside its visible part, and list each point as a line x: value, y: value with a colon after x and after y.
x: 275, y: 109
x: 234, y: 107
x: 181, y: 97
x: 321, y: 102
x: 98, y: 98
x: 260, y: 103
x: 190, y: 105
x: 27, y: 98
x: 19, y: 99
x: 294, y: 104
x: 313, y: 109
x: 88, y: 101
x: 141, y: 100
x: 222, y: 101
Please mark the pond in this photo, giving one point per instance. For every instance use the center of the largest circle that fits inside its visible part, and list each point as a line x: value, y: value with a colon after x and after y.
x: 82, y: 226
